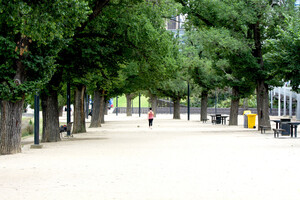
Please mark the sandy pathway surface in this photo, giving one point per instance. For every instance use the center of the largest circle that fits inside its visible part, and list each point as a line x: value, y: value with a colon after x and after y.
x: 176, y: 160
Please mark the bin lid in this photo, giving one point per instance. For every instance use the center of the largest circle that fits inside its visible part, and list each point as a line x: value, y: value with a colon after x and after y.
x: 251, y: 114
x: 247, y: 112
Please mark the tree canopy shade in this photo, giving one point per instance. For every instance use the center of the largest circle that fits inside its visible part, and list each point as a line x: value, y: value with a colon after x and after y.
x: 28, y: 48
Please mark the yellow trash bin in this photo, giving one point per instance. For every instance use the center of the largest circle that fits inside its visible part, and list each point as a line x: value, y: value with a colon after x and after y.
x: 251, y: 120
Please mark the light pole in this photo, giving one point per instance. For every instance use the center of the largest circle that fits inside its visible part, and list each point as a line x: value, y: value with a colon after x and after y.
x: 87, y: 106
x: 36, y: 144
x: 188, y: 103
x: 170, y: 105
x: 117, y: 106
x: 216, y: 102
x: 68, y: 107
x: 139, y: 104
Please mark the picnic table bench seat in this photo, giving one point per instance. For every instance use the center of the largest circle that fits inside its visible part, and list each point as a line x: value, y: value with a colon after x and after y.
x: 264, y: 128
x: 279, y: 131
x: 204, y: 120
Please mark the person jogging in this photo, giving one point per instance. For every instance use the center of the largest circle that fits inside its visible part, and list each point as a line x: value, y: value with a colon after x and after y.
x: 150, y: 117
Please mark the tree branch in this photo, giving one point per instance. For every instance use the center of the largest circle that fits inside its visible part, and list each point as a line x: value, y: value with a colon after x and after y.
x: 99, y: 5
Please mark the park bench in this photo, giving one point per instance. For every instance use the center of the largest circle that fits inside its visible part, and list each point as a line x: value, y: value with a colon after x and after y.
x: 280, y: 131
x: 264, y: 128
x: 204, y: 120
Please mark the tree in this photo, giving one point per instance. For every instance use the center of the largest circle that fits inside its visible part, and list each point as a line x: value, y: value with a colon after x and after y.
x: 249, y: 21
x: 200, y: 67
x: 66, y: 58
x: 151, y: 47
x: 284, y: 51
x: 176, y: 89
x: 232, y: 63
x: 23, y: 67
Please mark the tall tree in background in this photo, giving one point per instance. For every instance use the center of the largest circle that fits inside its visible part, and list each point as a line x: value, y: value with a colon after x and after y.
x: 232, y: 62
x: 200, y: 67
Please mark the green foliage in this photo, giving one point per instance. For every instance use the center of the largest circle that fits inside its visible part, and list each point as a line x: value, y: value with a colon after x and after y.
x: 219, y: 59
x: 147, y: 48
x: 31, y: 35
x: 174, y: 87
x: 227, y: 39
x: 122, y: 101
x: 251, y: 102
x: 284, y: 52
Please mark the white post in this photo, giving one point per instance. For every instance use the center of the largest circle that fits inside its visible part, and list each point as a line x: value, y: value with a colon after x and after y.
x: 284, y: 100
x: 291, y: 104
x: 271, y: 99
x: 279, y: 103
x: 298, y: 107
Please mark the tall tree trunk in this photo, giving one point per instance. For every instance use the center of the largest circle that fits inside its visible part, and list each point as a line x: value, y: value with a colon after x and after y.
x: 176, y: 114
x: 96, y: 114
x: 60, y: 110
x: 11, y: 113
x: 234, y: 108
x: 263, y: 104
x: 106, y: 106
x: 104, y: 109
x: 79, y: 114
x: 50, y: 117
x: 262, y: 87
x: 0, y: 117
x: 204, y: 102
x: 128, y: 106
x: 11, y: 119
x: 153, y: 100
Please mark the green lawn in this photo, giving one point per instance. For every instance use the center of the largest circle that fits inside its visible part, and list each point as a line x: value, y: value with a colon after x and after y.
x: 122, y: 101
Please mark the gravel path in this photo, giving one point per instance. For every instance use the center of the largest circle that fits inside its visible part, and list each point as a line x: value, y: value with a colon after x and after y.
x: 176, y: 160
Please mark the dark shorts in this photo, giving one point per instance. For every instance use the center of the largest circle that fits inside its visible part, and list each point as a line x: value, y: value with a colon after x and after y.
x: 150, y: 122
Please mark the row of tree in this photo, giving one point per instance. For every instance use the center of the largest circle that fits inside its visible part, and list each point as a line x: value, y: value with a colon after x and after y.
x: 245, y: 45
x: 111, y: 47
x: 101, y: 47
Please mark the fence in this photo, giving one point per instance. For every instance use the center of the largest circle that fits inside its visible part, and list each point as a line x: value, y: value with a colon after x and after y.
x: 193, y: 110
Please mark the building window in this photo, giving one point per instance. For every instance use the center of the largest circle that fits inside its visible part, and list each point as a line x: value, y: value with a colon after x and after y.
x: 172, y: 23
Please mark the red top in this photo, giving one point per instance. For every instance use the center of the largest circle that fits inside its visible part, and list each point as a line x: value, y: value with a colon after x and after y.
x: 150, y: 114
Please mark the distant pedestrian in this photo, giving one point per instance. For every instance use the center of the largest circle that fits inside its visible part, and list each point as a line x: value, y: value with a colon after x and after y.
x: 150, y: 117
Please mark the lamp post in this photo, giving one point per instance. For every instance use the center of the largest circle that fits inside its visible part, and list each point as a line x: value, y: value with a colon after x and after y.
x: 36, y: 119
x: 36, y: 144
x: 68, y: 107
x: 139, y: 104
x: 216, y: 102
x: 117, y: 106
x: 87, y: 106
x: 188, y: 103
x: 170, y: 105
